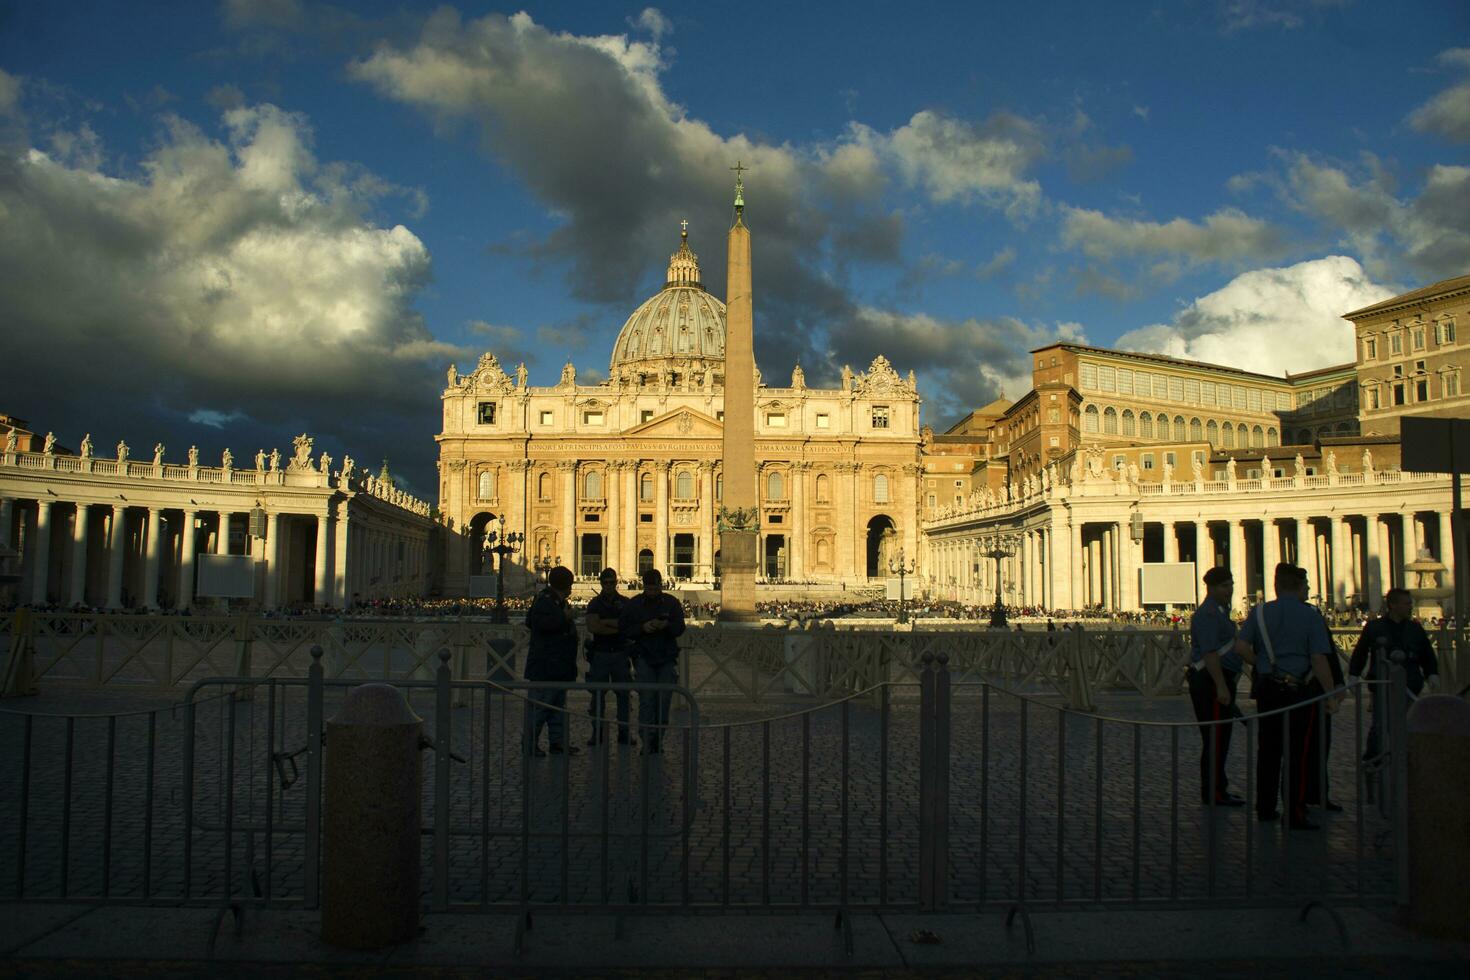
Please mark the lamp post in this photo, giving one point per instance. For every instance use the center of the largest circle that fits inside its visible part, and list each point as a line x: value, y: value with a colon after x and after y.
x: 545, y: 564
x: 1001, y: 547
x: 901, y: 567
x: 501, y: 544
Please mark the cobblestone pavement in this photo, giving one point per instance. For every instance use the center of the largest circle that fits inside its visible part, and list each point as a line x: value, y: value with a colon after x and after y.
x: 748, y: 811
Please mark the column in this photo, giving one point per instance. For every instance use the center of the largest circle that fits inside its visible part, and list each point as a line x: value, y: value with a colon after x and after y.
x: 117, y: 547
x: 851, y: 562
x: 1395, y: 533
x: 629, y: 559
x: 1204, y: 558
x: 1023, y: 565
x: 1446, y: 558
x: 1074, y: 598
x: 1306, y: 554
x: 1236, y: 532
x: 1110, y: 566
x: 186, y: 562
x: 1128, y: 561
x: 1342, y: 536
x: 568, y: 537
x: 1171, y: 542
x: 340, y: 561
x: 795, y: 556
x: 1094, y: 569
x: 222, y: 533
x: 41, y: 547
x: 661, y: 515
x: 1270, y: 555
x: 708, y: 540
x: 613, y: 488
x: 78, y: 592
x: 1375, y: 559
x: 271, y: 556
x: 323, y: 564
x: 154, y: 527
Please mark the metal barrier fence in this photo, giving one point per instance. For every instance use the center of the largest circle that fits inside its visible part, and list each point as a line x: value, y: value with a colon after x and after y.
x: 968, y: 797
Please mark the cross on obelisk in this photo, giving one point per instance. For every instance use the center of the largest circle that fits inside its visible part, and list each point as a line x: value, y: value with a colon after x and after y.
x: 739, y: 514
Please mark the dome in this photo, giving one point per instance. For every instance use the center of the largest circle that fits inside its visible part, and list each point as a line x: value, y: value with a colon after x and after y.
x: 681, y: 323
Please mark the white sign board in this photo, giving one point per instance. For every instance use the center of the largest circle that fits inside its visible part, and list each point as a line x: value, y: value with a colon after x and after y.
x: 908, y: 587
x: 1171, y: 582
x: 482, y: 586
x: 226, y: 577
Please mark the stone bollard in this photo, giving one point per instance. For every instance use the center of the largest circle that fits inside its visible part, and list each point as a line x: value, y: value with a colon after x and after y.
x: 371, y: 820
x: 1439, y: 816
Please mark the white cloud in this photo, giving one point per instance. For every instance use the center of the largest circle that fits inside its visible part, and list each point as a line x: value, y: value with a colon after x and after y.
x: 241, y: 273
x: 654, y: 22
x: 215, y: 419
x: 959, y: 160
x: 1269, y: 320
x: 1228, y: 235
x: 9, y: 93
x: 1448, y: 113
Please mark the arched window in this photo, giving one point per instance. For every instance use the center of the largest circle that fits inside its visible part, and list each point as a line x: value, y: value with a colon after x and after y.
x: 1212, y: 433
x: 487, y: 485
x: 1344, y: 429
x: 775, y: 487
x: 1163, y: 426
x: 1304, y: 437
x: 1257, y: 437
x: 1196, y: 430
x: 880, y: 488
x: 719, y: 486
x: 684, y: 485
x: 1146, y: 425
x: 543, y: 486
x: 1129, y: 427
x: 823, y: 488
x: 645, y: 560
x: 1110, y: 421
x: 1227, y: 436
x: 592, y: 486
x: 1180, y: 432
x: 1089, y: 419
x: 645, y: 487
x: 1272, y: 439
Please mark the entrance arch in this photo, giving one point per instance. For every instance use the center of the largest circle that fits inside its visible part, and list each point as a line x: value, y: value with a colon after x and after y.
x: 882, y: 542
x: 477, y: 527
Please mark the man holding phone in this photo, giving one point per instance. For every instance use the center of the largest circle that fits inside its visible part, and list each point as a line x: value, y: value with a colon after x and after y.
x: 652, y: 621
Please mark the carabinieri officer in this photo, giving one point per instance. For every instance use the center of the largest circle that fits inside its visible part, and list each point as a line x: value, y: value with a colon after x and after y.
x: 1287, y: 640
x: 1214, y: 669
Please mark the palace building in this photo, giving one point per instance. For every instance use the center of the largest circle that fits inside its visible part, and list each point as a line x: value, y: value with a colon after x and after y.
x: 628, y: 472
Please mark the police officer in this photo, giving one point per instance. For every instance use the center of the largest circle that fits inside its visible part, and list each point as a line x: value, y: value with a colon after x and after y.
x: 607, y: 656
x: 652, y: 621
x: 552, y: 657
x: 1394, y: 638
x: 1288, y: 642
x: 1214, y: 669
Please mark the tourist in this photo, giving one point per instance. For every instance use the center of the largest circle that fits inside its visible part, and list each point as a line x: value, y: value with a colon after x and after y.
x: 1394, y: 639
x: 607, y: 655
x: 552, y: 657
x: 652, y: 621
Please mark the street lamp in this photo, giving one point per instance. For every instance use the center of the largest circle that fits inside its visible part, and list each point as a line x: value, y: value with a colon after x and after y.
x: 1001, y: 547
x: 502, y: 544
x: 902, y: 568
x: 544, y: 565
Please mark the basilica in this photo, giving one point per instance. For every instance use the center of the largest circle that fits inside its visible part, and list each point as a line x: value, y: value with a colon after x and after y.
x: 628, y: 472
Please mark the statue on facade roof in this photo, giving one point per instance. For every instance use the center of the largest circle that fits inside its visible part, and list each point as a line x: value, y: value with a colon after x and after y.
x: 1331, y: 462
x: 846, y: 377
x: 50, y: 445
x: 10, y: 439
x: 521, y: 375
x: 260, y: 460
x: 568, y: 374
x: 1168, y: 472
x: 227, y: 459
x: 1299, y: 465
x: 301, y: 462
x: 87, y: 446
x: 326, y: 463
x: 453, y: 376
x: 1197, y: 468
x: 1367, y: 462
x: 275, y: 460
x: 193, y: 456
x: 1229, y: 469
x: 158, y: 454
x: 122, y: 451
x: 798, y: 377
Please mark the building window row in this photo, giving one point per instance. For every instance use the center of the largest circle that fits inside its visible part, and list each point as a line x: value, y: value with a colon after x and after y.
x: 1148, y: 426
x: 1414, y: 337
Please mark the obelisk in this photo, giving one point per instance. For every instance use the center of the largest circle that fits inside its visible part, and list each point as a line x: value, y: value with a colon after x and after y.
x: 738, y: 509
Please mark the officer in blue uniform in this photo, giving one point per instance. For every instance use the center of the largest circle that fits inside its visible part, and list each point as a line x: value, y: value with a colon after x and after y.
x: 1394, y: 639
x: 1288, y: 642
x: 1214, y: 669
x: 652, y: 621
x: 552, y: 657
x: 607, y: 656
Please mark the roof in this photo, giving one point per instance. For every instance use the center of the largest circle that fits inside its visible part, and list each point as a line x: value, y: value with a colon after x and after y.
x: 1351, y: 366
x: 1166, y: 359
x: 1456, y: 285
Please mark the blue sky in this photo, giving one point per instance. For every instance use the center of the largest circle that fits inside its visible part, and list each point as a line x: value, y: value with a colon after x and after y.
x: 225, y: 223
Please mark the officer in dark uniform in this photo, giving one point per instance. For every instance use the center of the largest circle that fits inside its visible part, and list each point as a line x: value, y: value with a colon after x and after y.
x: 1288, y: 642
x: 607, y: 656
x: 1214, y: 669
x: 552, y: 657
x: 652, y: 621
x: 1394, y: 638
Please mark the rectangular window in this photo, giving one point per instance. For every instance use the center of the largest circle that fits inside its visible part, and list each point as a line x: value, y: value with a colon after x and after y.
x: 1237, y: 396
x: 1419, y: 366
x: 1375, y: 400
x: 1176, y: 389
x: 931, y: 500
x: 1056, y: 441
x: 931, y: 483
x: 720, y: 416
x: 1253, y: 399
x: 487, y: 413
x: 645, y: 518
x: 1089, y: 377
x: 592, y: 517
x: 1191, y: 391
x: 1398, y: 393
x: 1053, y: 415
x: 1396, y: 344
x: 776, y: 420
x: 1421, y: 390
x: 1119, y: 462
x: 824, y: 421
x: 1207, y: 392
x: 1444, y: 332
x: 1125, y: 381
x: 774, y: 519
x: 1451, y: 385
x: 1148, y: 461
x: 591, y: 418
x: 1370, y: 349
x: 645, y: 415
x: 1106, y: 378
x: 1418, y: 338
x: 547, y: 418
x: 1170, y: 459
x: 880, y: 416
x: 959, y: 483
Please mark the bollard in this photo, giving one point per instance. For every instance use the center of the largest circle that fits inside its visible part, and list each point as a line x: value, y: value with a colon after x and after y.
x: 1439, y: 816
x: 372, y: 821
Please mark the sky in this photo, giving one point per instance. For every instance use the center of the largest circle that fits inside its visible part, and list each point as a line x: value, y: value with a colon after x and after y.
x: 222, y: 224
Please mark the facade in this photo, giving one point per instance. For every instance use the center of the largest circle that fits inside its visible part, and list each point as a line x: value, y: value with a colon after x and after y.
x: 1114, y: 459
x: 121, y: 533
x: 1410, y: 360
x: 629, y: 472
